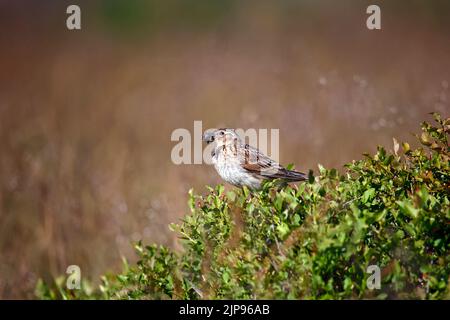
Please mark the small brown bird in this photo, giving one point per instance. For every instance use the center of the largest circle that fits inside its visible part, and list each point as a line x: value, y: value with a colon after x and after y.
x: 242, y: 165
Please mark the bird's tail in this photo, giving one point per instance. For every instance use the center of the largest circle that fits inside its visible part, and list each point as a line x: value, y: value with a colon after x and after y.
x: 285, y: 174
x: 291, y: 175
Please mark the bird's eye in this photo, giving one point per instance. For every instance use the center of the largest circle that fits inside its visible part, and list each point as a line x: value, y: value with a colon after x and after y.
x: 222, y: 133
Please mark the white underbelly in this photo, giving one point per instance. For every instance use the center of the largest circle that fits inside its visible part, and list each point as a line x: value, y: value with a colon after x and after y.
x: 236, y: 175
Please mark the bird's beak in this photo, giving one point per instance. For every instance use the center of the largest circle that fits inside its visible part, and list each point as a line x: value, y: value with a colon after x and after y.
x: 208, y: 137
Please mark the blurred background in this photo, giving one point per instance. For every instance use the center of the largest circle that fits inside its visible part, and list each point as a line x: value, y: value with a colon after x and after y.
x: 86, y: 116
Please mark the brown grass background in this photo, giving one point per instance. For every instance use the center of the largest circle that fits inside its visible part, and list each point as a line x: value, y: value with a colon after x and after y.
x: 86, y: 116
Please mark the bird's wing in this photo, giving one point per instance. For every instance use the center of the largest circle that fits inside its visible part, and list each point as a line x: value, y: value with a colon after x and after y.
x: 255, y: 162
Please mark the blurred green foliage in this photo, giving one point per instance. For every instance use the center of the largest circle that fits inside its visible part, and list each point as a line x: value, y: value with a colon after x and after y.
x: 311, y: 241
x: 132, y: 16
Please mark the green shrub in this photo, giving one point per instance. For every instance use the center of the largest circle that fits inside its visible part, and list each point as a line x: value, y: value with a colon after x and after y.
x: 314, y: 240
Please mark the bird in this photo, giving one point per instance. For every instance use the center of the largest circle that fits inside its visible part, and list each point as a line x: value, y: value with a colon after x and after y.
x: 242, y: 165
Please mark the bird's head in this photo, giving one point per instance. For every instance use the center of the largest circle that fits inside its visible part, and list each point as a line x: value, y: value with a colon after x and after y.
x: 221, y: 137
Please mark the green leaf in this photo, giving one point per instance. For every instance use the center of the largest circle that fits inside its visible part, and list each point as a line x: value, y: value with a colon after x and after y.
x: 368, y: 195
x: 283, y: 229
x: 407, y: 208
